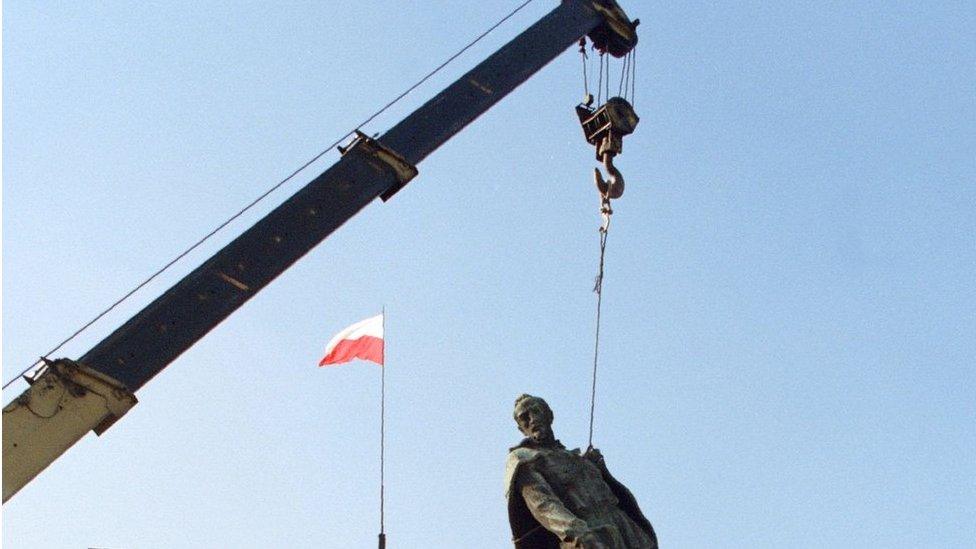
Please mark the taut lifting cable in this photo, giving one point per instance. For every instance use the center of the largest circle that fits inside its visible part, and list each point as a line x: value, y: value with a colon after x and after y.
x: 265, y: 194
x: 606, y: 212
x: 586, y: 82
x: 608, y: 141
x: 621, y: 87
x: 625, y: 83
x: 599, y: 82
x: 633, y: 78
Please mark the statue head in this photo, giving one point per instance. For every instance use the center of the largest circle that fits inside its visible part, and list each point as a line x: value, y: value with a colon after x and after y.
x: 534, y: 418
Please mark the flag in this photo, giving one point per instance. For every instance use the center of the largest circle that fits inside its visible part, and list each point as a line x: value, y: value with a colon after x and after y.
x: 363, y: 340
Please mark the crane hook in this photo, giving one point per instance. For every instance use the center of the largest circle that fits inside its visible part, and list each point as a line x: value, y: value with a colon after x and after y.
x: 613, y: 186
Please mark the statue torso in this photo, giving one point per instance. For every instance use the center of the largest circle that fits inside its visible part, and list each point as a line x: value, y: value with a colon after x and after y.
x: 576, y: 480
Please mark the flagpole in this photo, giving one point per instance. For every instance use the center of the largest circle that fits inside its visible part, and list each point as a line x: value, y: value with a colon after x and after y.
x: 382, y: 537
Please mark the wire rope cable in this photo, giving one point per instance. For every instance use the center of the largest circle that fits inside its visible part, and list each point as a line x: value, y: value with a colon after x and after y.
x: 586, y: 82
x: 598, y: 289
x: 621, y: 87
x: 265, y: 194
x: 599, y: 82
x: 633, y: 78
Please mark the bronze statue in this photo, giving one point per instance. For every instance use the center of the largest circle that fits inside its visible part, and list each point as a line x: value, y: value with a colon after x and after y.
x: 560, y: 499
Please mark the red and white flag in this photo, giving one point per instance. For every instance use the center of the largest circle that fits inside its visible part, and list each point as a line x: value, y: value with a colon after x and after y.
x: 363, y: 339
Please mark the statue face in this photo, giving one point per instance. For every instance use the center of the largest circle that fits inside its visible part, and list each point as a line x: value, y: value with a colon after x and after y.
x: 535, y: 420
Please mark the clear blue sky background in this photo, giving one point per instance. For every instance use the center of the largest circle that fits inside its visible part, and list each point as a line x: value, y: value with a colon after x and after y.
x: 788, y: 352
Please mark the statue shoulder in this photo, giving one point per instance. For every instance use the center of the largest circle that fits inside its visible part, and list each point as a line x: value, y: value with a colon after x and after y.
x: 527, y: 533
x: 521, y: 454
x: 517, y: 457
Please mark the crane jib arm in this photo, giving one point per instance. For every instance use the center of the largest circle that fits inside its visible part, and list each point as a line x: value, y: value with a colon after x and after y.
x: 104, y: 379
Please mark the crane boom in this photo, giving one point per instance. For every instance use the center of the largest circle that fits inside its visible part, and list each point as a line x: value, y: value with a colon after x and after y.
x: 70, y: 398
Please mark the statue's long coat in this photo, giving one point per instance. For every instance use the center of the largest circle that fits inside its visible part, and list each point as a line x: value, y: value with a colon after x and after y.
x: 527, y: 533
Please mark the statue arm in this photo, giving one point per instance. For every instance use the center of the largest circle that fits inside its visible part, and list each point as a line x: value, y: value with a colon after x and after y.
x: 547, y: 508
x: 626, y: 497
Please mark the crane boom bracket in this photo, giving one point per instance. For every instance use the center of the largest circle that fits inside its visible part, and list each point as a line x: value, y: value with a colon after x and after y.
x: 617, y: 34
x: 373, y: 149
x: 62, y: 404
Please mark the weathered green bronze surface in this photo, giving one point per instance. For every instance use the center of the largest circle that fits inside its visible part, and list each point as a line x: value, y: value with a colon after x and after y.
x: 559, y: 498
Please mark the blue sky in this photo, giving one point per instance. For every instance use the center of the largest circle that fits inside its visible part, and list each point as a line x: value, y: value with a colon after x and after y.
x: 789, y: 312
